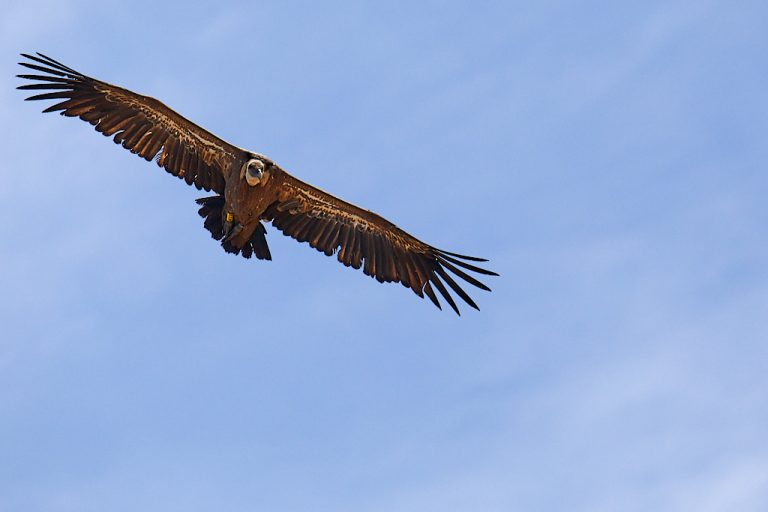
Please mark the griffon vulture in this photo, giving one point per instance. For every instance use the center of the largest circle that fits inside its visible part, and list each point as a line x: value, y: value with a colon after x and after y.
x: 251, y: 188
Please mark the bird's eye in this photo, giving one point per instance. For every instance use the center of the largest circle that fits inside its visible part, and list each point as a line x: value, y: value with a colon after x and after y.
x: 254, y: 173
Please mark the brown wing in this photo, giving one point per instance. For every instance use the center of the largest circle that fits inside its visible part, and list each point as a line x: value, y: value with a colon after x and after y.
x: 361, y: 238
x: 140, y: 124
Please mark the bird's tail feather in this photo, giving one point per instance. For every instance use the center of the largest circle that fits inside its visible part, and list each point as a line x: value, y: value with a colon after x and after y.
x: 211, y: 212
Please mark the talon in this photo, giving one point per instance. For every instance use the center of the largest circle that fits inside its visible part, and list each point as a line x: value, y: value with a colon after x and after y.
x: 232, y: 231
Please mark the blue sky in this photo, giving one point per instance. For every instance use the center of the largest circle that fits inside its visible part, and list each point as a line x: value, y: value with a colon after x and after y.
x: 608, y: 157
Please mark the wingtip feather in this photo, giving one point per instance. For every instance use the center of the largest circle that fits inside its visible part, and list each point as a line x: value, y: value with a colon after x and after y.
x: 462, y: 256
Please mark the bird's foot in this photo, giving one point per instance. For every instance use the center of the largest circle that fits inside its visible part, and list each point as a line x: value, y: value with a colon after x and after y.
x: 231, y: 230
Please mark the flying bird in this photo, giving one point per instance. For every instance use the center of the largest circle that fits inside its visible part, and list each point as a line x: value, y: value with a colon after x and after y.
x: 250, y: 188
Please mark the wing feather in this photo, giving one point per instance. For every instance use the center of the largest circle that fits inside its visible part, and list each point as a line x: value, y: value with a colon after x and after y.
x: 141, y: 124
x: 364, y: 239
x: 431, y: 295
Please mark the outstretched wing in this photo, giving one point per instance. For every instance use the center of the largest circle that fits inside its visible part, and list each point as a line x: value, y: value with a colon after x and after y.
x: 361, y: 238
x: 139, y: 123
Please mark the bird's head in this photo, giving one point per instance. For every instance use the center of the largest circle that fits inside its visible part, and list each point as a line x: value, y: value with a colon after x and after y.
x: 256, y: 171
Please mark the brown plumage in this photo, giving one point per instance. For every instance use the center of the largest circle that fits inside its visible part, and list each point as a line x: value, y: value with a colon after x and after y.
x: 250, y: 188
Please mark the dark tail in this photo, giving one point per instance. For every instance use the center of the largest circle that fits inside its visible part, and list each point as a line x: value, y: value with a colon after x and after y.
x: 211, y: 212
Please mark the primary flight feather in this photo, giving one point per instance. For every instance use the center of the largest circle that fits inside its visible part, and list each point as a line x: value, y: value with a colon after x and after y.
x: 251, y: 188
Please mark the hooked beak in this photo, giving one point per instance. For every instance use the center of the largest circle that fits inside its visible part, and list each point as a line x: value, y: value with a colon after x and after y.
x: 253, y: 176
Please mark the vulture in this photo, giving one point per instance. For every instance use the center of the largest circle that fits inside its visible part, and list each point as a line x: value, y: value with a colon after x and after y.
x: 251, y: 189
